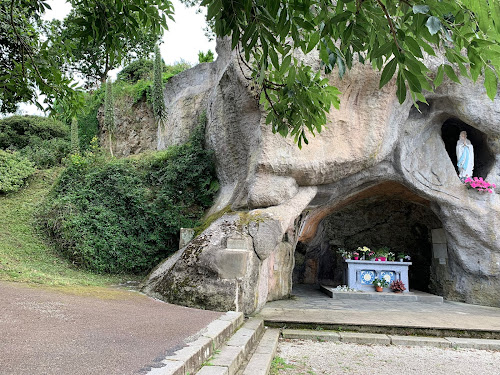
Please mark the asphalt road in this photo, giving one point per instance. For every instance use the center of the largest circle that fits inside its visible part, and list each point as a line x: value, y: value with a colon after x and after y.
x: 46, y: 331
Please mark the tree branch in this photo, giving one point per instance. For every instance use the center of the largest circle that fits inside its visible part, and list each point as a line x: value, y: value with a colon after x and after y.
x: 391, y: 24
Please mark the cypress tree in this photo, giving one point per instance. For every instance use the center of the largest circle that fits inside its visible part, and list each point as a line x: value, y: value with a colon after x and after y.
x: 158, y: 100
x: 109, y: 114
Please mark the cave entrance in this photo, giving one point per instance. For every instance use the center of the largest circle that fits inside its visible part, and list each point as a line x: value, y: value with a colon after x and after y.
x: 483, y: 157
x: 387, y: 215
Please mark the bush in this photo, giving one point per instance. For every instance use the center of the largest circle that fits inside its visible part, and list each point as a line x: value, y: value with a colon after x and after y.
x: 17, y: 132
x: 136, y: 70
x: 14, y: 170
x: 123, y: 216
x: 43, y: 140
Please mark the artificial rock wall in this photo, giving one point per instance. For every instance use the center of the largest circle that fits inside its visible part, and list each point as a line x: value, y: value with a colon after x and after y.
x: 278, y: 195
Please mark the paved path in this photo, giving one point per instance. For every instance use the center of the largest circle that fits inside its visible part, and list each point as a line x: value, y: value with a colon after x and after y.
x: 310, y: 305
x: 43, y: 331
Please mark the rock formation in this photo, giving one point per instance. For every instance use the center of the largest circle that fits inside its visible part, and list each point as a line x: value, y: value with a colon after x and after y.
x: 374, y: 153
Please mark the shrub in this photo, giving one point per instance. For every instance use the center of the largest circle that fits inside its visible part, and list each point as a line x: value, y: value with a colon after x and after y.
x: 44, y: 141
x: 124, y: 215
x: 47, y: 153
x: 14, y: 170
x: 205, y: 57
x: 17, y: 132
x: 136, y: 70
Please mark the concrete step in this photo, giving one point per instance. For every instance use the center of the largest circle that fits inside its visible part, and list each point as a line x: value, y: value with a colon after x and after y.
x: 414, y: 296
x: 235, y: 351
x: 260, y: 362
x: 382, y: 339
x: 191, y: 357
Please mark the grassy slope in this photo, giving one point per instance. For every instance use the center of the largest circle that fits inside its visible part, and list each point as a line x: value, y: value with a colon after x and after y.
x: 24, y: 256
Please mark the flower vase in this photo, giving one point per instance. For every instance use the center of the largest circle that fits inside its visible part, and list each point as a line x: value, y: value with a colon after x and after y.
x: 379, y: 288
x: 356, y: 258
x: 382, y: 259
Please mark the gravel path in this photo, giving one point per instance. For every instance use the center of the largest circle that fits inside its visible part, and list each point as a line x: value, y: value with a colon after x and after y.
x: 328, y: 358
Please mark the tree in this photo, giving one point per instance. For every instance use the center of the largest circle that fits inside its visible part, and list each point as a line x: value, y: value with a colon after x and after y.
x: 391, y: 35
x: 34, y: 54
x: 109, y: 115
x: 208, y: 57
x: 27, y: 66
x: 157, y: 92
x: 95, y: 58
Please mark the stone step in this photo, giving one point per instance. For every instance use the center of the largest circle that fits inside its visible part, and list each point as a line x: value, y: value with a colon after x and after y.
x: 382, y: 296
x: 191, y: 357
x: 260, y: 362
x: 236, y: 350
x: 383, y: 339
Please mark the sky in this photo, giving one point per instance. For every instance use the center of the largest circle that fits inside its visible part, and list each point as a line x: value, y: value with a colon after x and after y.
x: 184, y: 39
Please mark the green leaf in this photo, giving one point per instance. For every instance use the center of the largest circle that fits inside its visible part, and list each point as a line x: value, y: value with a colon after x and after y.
x: 413, y: 81
x: 313, y: 41
x: 490, y: 82
x: 413, y: 47
x: 439, y: 77
x: 433, y: 24
x: 274, y: 58
x: 286, y: 63
x: 401, y: 88
x: 451, y: 73
x: 388, y: 72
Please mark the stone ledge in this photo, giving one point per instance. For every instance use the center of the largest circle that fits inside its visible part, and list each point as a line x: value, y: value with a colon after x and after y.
x: 364, y: 338
x: 310, y: 334
x: 480, y: 344
x: 260, y: 362
x: 382, y: 296
x: 420, y: 341
x: 190, y: 358
x: 239, y: 346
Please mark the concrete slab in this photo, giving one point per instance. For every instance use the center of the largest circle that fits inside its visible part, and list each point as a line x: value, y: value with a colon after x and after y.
x: 310, y: 334
x: 230, y: 357
x: 364, y: 338
x: 219, y: 331
x: 381, y: 296
x: 213, y: 370
x: 261, y: 360
x: 467, y: 343
x: 436, y: 342
x: 310, y: 309
x: 169, y: 368
x: 236, y: 318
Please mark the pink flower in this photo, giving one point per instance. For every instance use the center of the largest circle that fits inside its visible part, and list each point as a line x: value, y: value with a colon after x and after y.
x: 468, y: 179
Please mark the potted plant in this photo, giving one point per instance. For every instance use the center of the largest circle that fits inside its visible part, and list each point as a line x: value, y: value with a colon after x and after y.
x: 381, y: 254
x: 355, y: 255
x: 344, y: 253
x: 398, y: 286
x: 390, y: 256
x: 402, y: 257
x: 380, y: 284
x: 364, y: 252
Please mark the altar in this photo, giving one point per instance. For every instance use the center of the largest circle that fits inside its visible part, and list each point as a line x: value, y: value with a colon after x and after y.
x: 359, y: 274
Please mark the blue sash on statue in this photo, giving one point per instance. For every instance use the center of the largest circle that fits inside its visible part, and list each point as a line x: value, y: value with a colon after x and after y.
x: 464, y: 159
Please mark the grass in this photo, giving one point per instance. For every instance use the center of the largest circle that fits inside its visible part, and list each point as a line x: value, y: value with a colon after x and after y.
x: 25, y: 256
x: 279, y: 364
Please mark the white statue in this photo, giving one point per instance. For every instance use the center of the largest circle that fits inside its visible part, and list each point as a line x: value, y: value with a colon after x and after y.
x: 465, y: 156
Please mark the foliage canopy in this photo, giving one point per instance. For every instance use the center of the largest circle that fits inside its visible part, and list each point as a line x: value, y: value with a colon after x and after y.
x: 391, y: 35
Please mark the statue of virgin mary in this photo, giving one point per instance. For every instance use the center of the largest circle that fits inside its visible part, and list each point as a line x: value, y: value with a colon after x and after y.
x: 465, y: 156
